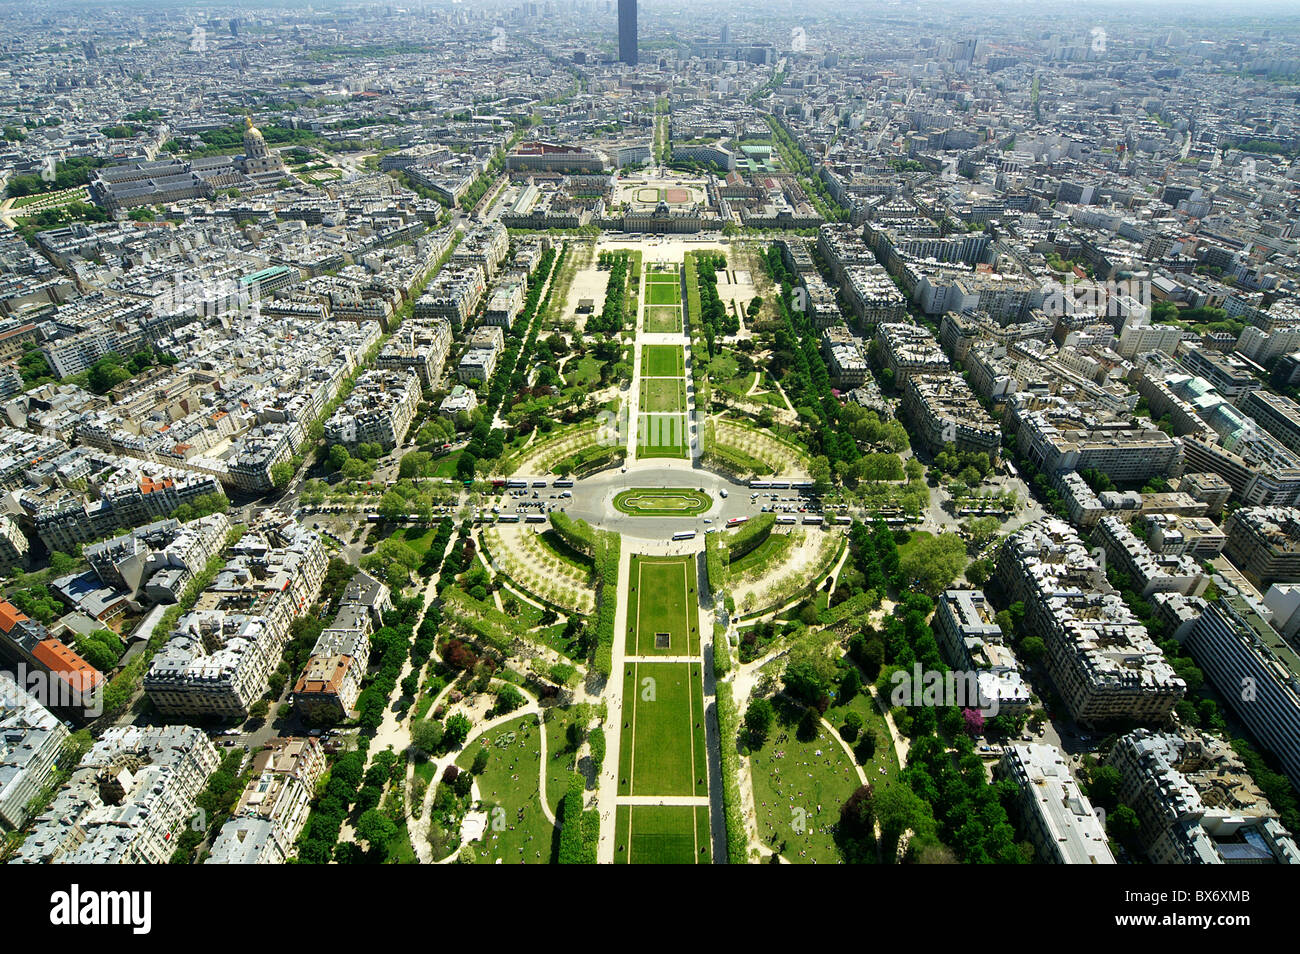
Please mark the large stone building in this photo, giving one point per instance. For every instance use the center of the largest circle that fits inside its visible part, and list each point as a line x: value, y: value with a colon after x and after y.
x: 1196, y: 802
x: 126, y: 801
x: 1101, y: 659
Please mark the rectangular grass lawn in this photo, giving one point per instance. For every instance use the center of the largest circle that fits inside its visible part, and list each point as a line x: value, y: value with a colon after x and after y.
x: 662, y: 600
x: 662, y: 835
x: 666, y: 395
x: 663, y: 319
x: 663, y: 361
x: 663, y: 293
x: 662, y: 435
x: 662, y: 748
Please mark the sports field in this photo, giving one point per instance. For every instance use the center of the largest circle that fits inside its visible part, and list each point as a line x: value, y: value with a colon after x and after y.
x: 661, y: 610
x: 663, y: 395
x: 662, y: 835
x: 662, y: 752
x: 662, y: 435
x: 662, y: 502
x: 663, y: 361
x: 663, y: 319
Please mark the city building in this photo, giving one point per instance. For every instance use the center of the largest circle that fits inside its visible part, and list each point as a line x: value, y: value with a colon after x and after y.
x: 127, y: 801
x: 1196, y: 802
x: 1059, y: 820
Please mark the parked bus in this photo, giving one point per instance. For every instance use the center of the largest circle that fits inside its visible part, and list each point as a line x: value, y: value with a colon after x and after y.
x: 684, y: 535
x: 564, y: 482
x: 535, y: 518
x: 802, y: 485
x: 780, y: 485
x: 516, y: 484
x: 508, y: 518
x: 785, y: 519
x: 498, y: 483
x: 813, y: 518
x: 760, y: 485
x: 736, y: 521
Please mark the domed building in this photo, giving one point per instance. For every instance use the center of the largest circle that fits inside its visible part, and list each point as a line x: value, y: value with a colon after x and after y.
x: 258, y: 159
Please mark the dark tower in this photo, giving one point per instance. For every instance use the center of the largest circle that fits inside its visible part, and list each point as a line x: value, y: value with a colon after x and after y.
x: 627, y: 32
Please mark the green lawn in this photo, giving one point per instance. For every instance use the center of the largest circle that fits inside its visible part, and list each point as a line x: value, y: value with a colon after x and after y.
x: 663, y: 319
x: 662, y: 835
x: 799, y: 788
x: 518, y: 832
x: 417, y: 538
x: 559, y: 757
x: 663, y: 361
x: 446, y: 466
x: 872, y: 721
x: 662, y: 600
x: 663, y: 293
x: 662, y: 502
x: 662, y: 749
x: 769, y: 550
x: 663, y: 394
x: 662, y: 435
x: 584, y: 371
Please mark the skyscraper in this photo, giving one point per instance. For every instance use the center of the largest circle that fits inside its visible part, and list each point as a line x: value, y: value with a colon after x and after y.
x: 627, y: 32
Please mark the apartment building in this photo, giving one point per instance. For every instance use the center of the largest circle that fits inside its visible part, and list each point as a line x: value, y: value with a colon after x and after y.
x: 273, y: 808
x: 945, y: 412
x: 909, y: 349
x: 1100, y: 657
x: 844, y: 357
x: 418, y: 346
x: 1126, y: 451
x: 482, y: 352
x: 221, y: 655
x: 1151, y: 571
x: 973, y: 642
x: 1256, y: 671
x: 127, y: 801
x: 1264, y: 543
x: 453, y: 295
x: 379, y: 410
x: 1277, y: 414
x: 1057, y: 817
x: 1196, y: 802
x: 31, y: 740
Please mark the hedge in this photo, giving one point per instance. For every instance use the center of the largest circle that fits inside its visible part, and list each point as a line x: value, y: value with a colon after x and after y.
x: 576, y: 533
x: 606, y: 559
x: 597, y: 742
x: 721, y: 651
x: 749, y: 535
x: 603, y: 548
x: 715, y: 565
x: 728, y: 729
x: 573, y: 849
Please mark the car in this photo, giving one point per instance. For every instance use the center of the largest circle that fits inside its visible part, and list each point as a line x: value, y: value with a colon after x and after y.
x: 708, y: 519
x: 723, y: 493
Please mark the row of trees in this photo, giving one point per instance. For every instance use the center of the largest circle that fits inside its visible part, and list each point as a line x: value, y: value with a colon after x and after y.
x: 613, y: 314
x: 798, y: 364
x: 714, y: 318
